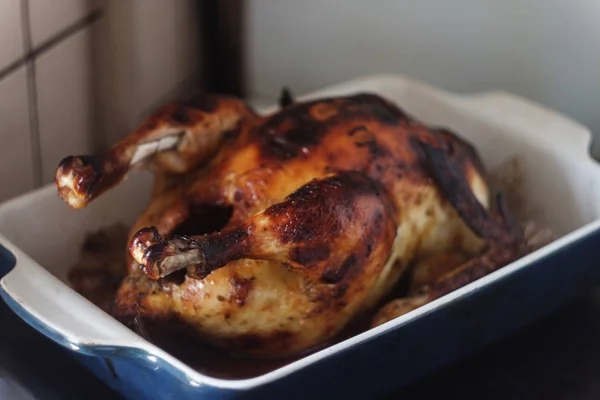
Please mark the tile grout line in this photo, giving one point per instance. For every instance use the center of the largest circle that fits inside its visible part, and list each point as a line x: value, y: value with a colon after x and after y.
x: 32, y: 53
x: 34, y: 127
x: 28, y: 62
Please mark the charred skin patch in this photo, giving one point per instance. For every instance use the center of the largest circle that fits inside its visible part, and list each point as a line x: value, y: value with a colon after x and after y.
x: 80, y: 179
x: 290, y: 133
x: 384, y: 111
x: 376, y: 151
x: 331, y: 158
x: 315, y: 217
x: 181, y: 116
x: 186, y: 112
x: 307, y: 213
x: 323, y: 111
x: 150, y: 124
x: 339, y: 291
x: 462, y: 152
x: 232, y: 134
x: 335, y: 274
x: 451, y: 181
x: 238, y: 195
x: 98, y: 173
x: 223, y: 243
x: 88, y: 170
x: 357, y: 129
x: 204, y: 102
x: 295, y: 130
x: 353, y: 264
x: 308, y: 255
x: 346, y: 279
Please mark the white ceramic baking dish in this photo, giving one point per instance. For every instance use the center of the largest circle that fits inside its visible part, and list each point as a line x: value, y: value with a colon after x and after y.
x: 42, y: 238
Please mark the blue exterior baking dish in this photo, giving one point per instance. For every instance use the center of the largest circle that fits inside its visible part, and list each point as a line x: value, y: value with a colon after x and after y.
x: 41, y: 238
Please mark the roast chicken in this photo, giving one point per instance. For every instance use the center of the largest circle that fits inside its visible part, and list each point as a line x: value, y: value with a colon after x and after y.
x: 268, y: 235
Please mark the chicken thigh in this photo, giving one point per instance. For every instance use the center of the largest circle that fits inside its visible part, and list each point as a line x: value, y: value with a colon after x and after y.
x: 269, y: 234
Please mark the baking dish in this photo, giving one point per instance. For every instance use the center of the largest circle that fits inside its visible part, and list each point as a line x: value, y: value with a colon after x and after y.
x: 41, y: 238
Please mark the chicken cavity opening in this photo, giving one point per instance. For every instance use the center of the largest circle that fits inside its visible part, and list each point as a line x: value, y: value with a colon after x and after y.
x: 204, y: 219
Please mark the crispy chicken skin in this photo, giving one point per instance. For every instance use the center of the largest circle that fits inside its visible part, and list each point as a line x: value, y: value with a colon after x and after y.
x: 331, y: 202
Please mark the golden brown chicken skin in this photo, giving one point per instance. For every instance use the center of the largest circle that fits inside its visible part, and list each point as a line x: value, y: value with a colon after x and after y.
x: 269, y: 234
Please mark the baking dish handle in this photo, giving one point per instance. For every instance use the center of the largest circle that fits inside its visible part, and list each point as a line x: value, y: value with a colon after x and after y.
x: 40, y: 299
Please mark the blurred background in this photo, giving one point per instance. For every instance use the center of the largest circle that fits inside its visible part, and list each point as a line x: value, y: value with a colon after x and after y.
x: 78, y: 75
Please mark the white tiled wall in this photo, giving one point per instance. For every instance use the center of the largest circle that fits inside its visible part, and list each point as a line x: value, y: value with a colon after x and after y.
x: 48, y: 17
x: 52, y: 90
x: 16, y: 172
x: 65, y: 104
x: 148, y: 53
x: 11, y: 41
x: 162, y: 42
x: 92, y: 85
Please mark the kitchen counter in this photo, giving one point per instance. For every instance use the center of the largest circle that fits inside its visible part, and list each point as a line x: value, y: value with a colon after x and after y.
x: 555, y: 358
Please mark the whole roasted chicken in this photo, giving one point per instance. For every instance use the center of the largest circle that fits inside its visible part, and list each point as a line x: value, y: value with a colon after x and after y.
x: 269, y: 234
